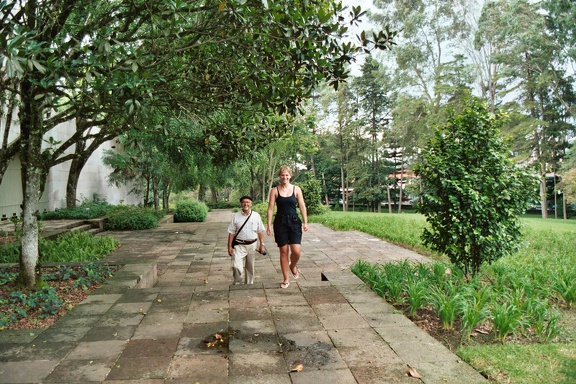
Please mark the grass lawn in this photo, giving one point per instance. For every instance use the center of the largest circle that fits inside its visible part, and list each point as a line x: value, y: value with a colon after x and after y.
x: 548, y: 250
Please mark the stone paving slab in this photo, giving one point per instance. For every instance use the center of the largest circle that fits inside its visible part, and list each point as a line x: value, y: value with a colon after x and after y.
x: 171, y: 316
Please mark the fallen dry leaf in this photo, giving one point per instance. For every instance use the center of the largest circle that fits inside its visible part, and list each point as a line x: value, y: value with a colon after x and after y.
x: 297, y: 368
x: 414, y: 373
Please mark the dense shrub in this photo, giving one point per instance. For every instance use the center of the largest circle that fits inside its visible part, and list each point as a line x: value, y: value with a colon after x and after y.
x: 10, y: 253
x: 190, y: 211
x: 312, y: 191
x: 474, y: 214
x: 77, y: 246
x: 89, y: 210
x: 262, y: 209
x: 69, y: 247
x: 132, y: 218
x: 221, y: 205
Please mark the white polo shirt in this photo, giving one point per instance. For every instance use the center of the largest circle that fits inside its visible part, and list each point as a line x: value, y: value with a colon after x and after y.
x: 250, y: 230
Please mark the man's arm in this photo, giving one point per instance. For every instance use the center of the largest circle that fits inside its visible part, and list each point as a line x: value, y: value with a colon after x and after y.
x: 230, y: 249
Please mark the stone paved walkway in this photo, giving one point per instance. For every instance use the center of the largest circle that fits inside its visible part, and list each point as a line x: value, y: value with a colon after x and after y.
x: 327, y: 322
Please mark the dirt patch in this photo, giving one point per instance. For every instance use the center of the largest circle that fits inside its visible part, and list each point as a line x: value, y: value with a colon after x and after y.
x: 315, y: 355
x: 7, y: 239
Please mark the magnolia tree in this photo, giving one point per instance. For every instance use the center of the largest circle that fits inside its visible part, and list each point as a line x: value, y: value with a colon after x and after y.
x: 472, y: 192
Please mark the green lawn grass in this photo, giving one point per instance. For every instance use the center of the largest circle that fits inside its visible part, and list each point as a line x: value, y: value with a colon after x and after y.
x: 549, y: 246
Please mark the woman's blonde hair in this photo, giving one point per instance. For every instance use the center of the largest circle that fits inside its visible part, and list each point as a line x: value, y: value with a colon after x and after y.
x: 283, y: 169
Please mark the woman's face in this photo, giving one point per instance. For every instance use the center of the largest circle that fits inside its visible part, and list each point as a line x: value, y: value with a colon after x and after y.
x: 285, y: 177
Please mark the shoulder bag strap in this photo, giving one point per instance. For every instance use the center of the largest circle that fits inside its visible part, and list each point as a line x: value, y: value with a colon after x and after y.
x: 243, y: 225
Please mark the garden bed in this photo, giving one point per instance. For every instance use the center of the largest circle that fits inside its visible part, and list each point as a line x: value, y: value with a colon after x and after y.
x: 66, y: 287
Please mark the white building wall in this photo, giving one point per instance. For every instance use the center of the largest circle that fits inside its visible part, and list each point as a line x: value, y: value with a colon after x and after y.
x: 93, y: 180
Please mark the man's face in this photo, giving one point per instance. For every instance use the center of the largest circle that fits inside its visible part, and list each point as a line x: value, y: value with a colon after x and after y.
x: 246, y: 204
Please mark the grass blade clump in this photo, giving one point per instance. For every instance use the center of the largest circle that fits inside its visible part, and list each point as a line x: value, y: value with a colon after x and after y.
x: 474, y: 307
x: 447, y: 302
x: 507, y: 318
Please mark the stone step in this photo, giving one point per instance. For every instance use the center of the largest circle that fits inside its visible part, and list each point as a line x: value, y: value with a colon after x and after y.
x: 81, y: 227
x: 94, y: 231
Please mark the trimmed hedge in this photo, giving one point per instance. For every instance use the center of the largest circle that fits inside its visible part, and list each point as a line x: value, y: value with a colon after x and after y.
x: 133, y: 218
x: 190, y: 211
x: 90, y: 210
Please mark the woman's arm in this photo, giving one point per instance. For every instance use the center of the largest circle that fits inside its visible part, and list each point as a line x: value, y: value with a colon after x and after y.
x: 271, y: 201
x: 302, y: 206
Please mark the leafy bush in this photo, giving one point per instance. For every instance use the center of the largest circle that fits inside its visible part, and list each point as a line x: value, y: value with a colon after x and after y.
x: 132, y: 218
x: 190, y: 211
x: 77, y: 246
x: 221, y: 205
x: 10, y: 253
x: 312, y: 191
x: 262, y: 209
x: 88, y: 210
x: 71, y: 246
x: 474, y: 214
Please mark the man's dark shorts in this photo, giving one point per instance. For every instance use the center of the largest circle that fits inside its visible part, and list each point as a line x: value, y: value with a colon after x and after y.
x: 287, y: 230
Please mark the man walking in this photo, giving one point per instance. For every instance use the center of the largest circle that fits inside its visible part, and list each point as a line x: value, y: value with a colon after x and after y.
x: 245, y: 229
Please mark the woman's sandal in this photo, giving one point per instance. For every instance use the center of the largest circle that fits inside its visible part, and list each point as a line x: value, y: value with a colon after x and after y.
x: 297, y: 274
x: 285, y: 285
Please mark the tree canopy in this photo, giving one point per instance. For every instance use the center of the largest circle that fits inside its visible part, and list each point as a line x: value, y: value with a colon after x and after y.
x: 107, y: 64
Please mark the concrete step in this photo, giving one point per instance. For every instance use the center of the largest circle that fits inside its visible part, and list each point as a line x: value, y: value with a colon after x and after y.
x: 94, y: 231
x: 166, y: 219
x: 81, y: 227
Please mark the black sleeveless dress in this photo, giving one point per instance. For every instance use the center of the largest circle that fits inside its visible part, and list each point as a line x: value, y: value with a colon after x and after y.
x: 287, y: 224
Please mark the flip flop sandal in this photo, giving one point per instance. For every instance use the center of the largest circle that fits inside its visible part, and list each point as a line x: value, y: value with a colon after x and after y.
x: 284, y: 285
x: 297, y: 274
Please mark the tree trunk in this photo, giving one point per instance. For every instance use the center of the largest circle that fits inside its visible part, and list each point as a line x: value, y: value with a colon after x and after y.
x: 156, y: 194
x: 32, y: 172
x: 389, y: 198
x: 326, y: 197
x: 201, y: 192
x: 214, y: 194
x: 166, y: 196
x: 401, y: 184
x: 72, y: 185
x: 147, y: 192
x: 76, y: 166
x: 82, y: 154
x: 543, y: 199
x: 313, y: 166
x: 343, y: 184
x: 252, y: 178
x: 555, y: 196
x: 29, y: 241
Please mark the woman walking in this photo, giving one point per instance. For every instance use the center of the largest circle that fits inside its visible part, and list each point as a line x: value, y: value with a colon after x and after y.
x: 287, y: 225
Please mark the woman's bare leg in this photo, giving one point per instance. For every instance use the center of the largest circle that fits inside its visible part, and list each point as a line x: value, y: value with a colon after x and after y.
x: 294, y: 256
x: 284, y: 263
